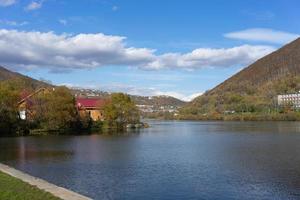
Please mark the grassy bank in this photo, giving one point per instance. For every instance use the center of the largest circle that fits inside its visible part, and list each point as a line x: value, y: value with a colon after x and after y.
x: 14, y: 189
x: 291, y: 116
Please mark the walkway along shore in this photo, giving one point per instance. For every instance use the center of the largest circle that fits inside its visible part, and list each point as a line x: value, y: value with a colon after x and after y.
x: 43, y: 185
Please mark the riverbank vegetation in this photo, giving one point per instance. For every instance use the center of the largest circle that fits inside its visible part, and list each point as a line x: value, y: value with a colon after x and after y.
x: 54, y: 110
x: 245, y: 101
x: 14, y: 189
x: 252, y: 93
x: 120, y: 111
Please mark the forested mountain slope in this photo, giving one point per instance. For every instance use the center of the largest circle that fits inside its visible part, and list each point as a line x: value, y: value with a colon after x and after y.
x: 6, y: 74
x: 255, y: 88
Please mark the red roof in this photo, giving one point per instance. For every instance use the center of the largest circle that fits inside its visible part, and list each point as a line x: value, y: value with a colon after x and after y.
x: 89, y: 102
x: 24, y: 94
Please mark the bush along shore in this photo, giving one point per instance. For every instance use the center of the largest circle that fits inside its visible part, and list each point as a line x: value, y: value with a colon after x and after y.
x: 245, y: 101
x: 54, y: 111
x: 292, y: 116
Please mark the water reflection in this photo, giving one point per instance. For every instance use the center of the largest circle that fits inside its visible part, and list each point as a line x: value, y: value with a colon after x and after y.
x: 170, y: 160
x: 23, y: 149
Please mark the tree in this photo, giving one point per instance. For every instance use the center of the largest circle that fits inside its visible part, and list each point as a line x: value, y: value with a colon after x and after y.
x: 121, y: 109
x: 55, y: 110
x: 8, y: 108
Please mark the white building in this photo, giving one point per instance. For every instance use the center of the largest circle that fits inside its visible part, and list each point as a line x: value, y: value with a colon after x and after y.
x: 289, y: 99
x: 146, y: 108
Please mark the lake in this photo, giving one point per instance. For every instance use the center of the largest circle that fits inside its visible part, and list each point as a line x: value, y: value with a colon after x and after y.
x: 169, y: 160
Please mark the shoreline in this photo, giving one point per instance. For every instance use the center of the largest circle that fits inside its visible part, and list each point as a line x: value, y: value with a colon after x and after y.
x: 41, y: 184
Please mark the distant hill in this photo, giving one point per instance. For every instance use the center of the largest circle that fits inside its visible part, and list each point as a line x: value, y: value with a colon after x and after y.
x: 255, y: 87
x: 6, y: 74
x: 281, y: 63
x: 154, y: 101
x: 158, y: 100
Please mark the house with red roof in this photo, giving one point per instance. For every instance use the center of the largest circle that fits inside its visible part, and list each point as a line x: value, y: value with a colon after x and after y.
x: 91, y: 107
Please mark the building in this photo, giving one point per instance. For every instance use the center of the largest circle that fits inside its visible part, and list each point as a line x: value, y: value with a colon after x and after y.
x: 289, y: 99
x: 27, y: 102
x: 91, y: 107
x: 146, y: 108
x: 155, y: 108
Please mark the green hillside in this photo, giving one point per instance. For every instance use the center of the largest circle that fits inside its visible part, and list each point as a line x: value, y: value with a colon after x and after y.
x: 252, y: 91
x: 26, y: 81
x: 30, y: 84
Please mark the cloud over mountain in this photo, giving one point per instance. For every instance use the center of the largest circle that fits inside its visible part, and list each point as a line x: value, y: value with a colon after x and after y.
x: 64, y: 52
x: 263, y: 35
x: 208, y: 57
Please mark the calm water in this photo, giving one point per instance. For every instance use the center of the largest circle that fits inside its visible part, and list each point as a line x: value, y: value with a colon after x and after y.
x: 170, y: 160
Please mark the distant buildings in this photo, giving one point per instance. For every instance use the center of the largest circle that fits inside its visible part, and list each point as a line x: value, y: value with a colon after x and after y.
x: 146, y: 108
x: 90, y: 106
x: 153, y: 108
x: 289, y: 99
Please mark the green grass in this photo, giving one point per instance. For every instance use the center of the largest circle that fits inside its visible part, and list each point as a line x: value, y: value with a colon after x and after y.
x: 14, y: 189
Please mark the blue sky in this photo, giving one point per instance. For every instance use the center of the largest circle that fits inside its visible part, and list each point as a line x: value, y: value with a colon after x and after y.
x: 171, y: 47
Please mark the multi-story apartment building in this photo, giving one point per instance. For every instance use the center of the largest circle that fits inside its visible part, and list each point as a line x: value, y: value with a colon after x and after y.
x: 289, y: 99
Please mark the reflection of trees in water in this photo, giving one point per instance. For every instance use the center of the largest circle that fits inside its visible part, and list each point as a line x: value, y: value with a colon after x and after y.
x: 253, y: 127
x: 39, y: 156
x: 21, y: 150
x: 106, y: 160
x: 243, y: 158
x: 117, y: 132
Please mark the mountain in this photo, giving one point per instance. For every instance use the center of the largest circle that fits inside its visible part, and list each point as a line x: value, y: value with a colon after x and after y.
x: 6, y: 74
x: 283, y: 62
x: 255, y: 88
x: 162, y: 100
x: 155, y: 103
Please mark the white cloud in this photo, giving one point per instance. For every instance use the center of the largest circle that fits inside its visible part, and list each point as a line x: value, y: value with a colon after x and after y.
x: 5, y: 3
x: 13, y: 23
x: 63, y: 22
x: 192, y: 96
x: 208, y: 57
x: 178, y: 95
x: 34, y: 5
x: 263, y: 35
x: 66, y: 52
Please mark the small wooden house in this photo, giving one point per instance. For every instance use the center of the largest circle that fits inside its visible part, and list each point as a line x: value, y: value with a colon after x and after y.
x: 91, y: 107
x: 26, y: 103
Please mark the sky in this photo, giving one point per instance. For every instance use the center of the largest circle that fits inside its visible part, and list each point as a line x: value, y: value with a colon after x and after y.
x: 143, y: 47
